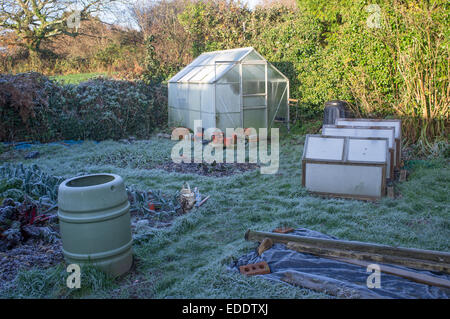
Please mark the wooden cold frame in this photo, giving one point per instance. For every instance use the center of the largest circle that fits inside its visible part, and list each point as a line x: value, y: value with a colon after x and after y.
x: 393, y: 150
x: 398, y: 137
x: 344, y: 161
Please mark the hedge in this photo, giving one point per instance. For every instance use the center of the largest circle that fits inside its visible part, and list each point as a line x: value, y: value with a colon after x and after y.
x: 34, y: 107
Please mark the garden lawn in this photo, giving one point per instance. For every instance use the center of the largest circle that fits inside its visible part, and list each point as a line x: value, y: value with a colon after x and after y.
x: 189, y: 259
x: 76, y: 78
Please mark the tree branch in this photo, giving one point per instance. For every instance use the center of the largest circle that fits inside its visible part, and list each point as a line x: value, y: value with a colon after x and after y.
x: 35, y: 20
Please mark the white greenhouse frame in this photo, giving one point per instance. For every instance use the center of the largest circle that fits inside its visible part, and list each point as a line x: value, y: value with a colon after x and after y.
x: 235, y: 88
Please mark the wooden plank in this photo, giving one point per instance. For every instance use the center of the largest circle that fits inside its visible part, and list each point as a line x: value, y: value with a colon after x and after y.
x: 266, y: 244
x: 378, y: 258
x: 203, y: 200
x: 303, y: 173
x: 417, y: 277
x: 390, y: 192
x: 328, y: 286
x: 402, y: 177
x: 346, y: 196
x: 391, y: 164
x: 398, y: 149
x: 339, y: 162
x: 423, y: 254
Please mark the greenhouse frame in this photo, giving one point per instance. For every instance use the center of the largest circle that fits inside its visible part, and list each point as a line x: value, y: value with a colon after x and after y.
x: 235, y: 88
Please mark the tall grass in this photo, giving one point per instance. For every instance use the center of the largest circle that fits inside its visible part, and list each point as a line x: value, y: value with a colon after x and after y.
x: 424, y: 68
x: 400, y: 68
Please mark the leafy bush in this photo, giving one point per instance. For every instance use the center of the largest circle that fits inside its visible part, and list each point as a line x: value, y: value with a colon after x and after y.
x: 37, y: 108
x: 399, y: 68
x: 101, y: 109
x: 25, y: 106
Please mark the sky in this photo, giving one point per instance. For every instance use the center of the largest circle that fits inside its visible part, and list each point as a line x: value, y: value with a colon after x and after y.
x: 123, y: 18
x: 251, y: 3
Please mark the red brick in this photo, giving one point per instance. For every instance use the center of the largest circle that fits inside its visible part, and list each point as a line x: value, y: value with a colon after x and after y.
x: 261, y: 268
x: 283, y: 230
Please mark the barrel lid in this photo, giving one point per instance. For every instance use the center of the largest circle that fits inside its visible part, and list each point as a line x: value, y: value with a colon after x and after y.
x: 91, y: 192
x: 336, y: 103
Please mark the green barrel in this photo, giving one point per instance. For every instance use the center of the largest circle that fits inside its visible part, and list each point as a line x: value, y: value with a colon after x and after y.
x: 94, y: 220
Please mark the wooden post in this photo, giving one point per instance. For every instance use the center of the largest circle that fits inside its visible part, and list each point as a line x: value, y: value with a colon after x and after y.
x: 421, y: 254
x: 390, y: 192
x: 414, y: 276
x: 402, y: 175
x: 266, y: 244
x: 328, y: 286
x: 377, y: 258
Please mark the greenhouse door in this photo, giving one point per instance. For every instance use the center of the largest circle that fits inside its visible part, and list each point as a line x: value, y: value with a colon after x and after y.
x: 254, y: 94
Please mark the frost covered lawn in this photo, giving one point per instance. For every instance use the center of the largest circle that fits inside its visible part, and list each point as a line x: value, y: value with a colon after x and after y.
x: 189, y: 259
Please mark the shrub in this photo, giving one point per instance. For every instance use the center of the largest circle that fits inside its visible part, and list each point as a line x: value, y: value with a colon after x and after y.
x: 399, y: 69
x: 24, y: 106
x: 34, y: 107
x: 101, y: 109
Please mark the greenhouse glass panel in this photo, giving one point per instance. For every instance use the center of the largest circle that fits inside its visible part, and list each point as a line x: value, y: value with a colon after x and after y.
x: 208, y: 120
x: 194, y: 97
x: 232, y: 76
x: 207, y: 98
x: 277, y: 100
x: 228, y: 120
x: 255, y: 118
x: 252, y: 101
x: 189, y: 75
x: 228, y: 98
x: 252, y: 56
x: 204, y: 73
x: 274, y: 75
x: 253, y: 78
x: 181, y: 96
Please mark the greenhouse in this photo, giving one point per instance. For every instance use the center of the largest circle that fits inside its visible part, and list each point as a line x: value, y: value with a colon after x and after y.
x: 229, y: 89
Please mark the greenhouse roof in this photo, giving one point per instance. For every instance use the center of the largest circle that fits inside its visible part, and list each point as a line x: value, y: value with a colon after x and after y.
x: 211, y: 66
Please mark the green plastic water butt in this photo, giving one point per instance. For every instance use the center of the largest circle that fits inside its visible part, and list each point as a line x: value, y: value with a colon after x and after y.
x: 95, y: 225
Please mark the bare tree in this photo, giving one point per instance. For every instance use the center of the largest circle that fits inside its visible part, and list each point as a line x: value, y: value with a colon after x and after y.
x: 158, y: 22
x: 34, y: 21
x: 274, y: 3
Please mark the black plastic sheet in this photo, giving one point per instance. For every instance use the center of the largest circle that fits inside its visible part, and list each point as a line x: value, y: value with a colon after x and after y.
x: 282, y: 260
